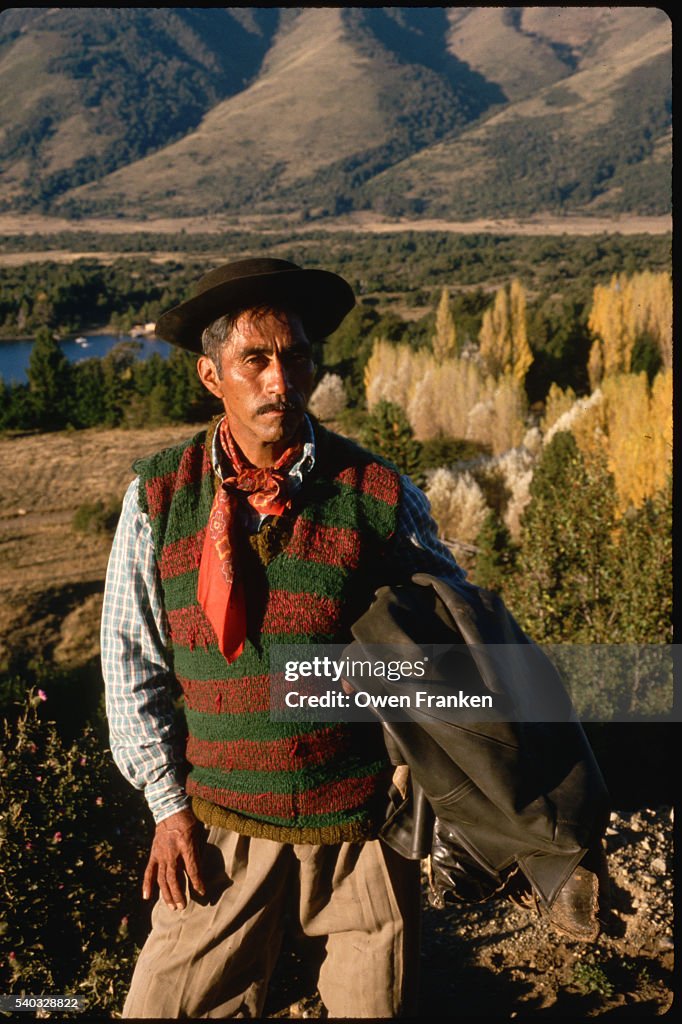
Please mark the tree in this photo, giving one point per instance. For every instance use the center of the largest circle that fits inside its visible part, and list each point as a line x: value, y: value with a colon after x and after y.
x: 645, y: 593
x: 89, y: 407
x: 328, y: 400
x: 503, y: 339
x: 625, y: 312
x: 496, y: 554
x: 638, y: 422
x: 612, y: 324
x: 49, y: 381
x: 118, y: 381
x: 387, y: 432
x: 564, y: 587
x: 459, y: 508
x: 189, y: 400
x: 444, y: 341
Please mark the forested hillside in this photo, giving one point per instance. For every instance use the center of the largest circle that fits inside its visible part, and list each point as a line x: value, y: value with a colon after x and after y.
x: 315, y: 112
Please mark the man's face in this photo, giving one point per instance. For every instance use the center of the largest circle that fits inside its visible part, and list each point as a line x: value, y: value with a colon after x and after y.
x: 266, y: 379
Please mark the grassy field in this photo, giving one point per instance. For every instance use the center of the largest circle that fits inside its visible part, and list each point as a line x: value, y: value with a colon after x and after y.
x: 52, y: 576
x: 627, y: 224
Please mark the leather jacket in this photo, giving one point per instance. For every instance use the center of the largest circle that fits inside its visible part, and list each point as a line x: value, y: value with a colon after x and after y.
x: 486, y: 797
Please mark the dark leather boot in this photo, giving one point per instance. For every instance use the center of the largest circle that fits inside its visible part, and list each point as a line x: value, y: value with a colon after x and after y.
x: 583, y: 899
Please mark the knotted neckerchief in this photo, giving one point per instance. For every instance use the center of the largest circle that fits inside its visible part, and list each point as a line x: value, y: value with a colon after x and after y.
x: 221, y: 595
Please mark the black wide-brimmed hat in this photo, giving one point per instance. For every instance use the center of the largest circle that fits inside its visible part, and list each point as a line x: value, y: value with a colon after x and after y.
x: 320, y: 298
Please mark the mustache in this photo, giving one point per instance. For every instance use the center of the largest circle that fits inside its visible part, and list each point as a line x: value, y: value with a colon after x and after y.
x: 285, y: 405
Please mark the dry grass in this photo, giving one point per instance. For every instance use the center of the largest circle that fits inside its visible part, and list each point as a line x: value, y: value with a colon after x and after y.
x: 361, y: 222
x: 51, y: 577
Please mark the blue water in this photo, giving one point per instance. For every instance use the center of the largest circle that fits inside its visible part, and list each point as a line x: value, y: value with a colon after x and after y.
x: 14, y: 355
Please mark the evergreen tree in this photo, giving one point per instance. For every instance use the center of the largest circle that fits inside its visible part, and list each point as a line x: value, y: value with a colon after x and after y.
x: 644, y: 595
x: 188, y: 398
x: 4, y: 400
x: 118, y: 381
x: 387, y: 432
x: 89, y: 407
x: 49, y: 380
x: 564, y: 587
x: 17, y: 412
x: 496, y: 554
x: 644, y: 600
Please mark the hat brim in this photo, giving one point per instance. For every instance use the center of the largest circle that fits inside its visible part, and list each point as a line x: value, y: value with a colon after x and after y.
x: 321, y: 299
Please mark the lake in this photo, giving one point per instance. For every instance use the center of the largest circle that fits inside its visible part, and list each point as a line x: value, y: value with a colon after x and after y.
x: 14, y: 355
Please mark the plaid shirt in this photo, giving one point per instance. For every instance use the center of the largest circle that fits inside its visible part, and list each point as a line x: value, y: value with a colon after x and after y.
x: 146, y: 739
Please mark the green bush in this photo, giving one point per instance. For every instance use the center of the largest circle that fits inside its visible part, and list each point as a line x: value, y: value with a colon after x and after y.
x: 74, y: 840
x: 97, y: 516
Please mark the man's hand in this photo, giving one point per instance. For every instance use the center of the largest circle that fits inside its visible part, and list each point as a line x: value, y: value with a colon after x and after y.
x: 175, y: 851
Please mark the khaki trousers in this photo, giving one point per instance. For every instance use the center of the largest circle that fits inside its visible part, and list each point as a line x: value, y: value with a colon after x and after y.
x: 215, y: 957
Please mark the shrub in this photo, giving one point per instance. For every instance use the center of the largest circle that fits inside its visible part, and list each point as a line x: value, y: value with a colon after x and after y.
x: 328, y: 400
x: 73, y: 844
x: 97, y: 516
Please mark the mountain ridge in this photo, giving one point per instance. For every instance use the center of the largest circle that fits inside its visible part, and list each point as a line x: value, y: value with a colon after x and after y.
x: 319, y: 112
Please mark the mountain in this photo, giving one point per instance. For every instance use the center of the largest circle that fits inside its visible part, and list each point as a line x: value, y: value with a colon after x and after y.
x: 437, y: 111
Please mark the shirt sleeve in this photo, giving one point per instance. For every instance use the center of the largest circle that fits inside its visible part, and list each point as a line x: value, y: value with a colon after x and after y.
x: 144, y: 729
x: 416, y: 546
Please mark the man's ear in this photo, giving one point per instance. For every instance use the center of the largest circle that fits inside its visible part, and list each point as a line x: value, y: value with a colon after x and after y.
x: 208, y: 375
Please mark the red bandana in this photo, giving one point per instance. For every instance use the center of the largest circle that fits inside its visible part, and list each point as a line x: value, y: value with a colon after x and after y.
x: 218, y: 593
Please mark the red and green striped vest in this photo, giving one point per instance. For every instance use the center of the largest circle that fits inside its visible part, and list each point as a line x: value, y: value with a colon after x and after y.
x: 308, y: 576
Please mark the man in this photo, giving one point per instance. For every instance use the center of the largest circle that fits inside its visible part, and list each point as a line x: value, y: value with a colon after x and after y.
x: 264, y: 529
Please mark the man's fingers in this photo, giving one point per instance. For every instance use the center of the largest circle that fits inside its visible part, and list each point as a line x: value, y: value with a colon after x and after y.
x: 192, y: 868
x: 164, y: 889
x: 149, y: 878
x: 176, y: 893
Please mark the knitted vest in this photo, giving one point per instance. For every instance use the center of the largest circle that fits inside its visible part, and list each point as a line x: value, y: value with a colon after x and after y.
x: 309, y: 574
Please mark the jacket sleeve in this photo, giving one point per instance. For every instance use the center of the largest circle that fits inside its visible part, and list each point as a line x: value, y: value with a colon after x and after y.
x: 144, y: 729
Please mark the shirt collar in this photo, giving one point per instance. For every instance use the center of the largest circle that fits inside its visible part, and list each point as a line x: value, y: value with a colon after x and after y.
x: 297, y: 471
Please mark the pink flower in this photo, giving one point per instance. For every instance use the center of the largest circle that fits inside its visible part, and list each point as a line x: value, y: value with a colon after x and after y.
x: 83, y: 760
x: 99, y: 801
x: 42, y: 694
x: 57, y: 837
x: 39, y: 778
x: 29, y: 846
x: 12, y: 956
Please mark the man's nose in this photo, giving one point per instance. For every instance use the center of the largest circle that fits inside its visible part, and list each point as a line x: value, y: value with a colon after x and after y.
x: 277, y: 381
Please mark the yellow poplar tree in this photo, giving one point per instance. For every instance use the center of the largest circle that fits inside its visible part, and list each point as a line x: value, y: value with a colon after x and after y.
x: 639, y: 434
x: 503, y: 341
x: 651, y: 298
x: 622, y: 311
x: 595, y: 364
x: 522, y: 356
x: 557, y: 403
x: 611, y: 321
x: 444, y: 342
